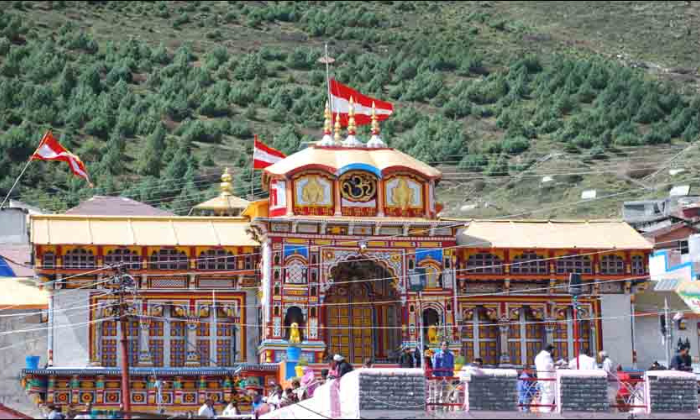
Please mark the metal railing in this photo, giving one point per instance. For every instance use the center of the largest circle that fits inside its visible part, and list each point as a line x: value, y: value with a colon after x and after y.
x: 627, y: 394
x: 445, y: 393
x: 537, y: 394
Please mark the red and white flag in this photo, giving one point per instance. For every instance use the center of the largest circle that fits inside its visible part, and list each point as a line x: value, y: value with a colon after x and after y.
x: 264, y: 156
x: 340, y: 97
x: 51, y: 149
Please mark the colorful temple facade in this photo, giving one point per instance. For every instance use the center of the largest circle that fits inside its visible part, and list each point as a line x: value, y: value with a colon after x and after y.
x: 350, y: 248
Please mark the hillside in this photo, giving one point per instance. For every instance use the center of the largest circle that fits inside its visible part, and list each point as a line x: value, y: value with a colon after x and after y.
x: 157, y: 97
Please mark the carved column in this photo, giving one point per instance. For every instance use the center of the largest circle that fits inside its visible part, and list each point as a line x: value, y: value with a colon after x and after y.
x: 380, y: 198
x: 193, y: 359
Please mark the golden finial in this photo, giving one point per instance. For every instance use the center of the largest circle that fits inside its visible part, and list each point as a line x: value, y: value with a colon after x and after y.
x: 337, y: 127
x: 352, y: 128
x: 375, y: 121
x: 226, y: 187
x: 328, y: 120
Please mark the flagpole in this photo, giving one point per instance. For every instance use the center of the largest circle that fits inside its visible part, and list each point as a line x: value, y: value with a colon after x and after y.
x: 7, y: 197
x: 327, y: 61
x: 252, y: 172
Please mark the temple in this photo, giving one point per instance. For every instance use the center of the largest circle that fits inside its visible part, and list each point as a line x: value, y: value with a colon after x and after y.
x: 350, y: 247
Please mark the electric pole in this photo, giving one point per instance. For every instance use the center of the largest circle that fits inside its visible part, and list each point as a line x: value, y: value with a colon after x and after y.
x: 124, y: 284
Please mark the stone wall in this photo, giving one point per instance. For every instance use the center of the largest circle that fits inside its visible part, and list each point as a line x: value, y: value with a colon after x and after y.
x: 71, y: 329
x: 15, y: 347
x: 672, y: 392
x: 390, y: 390
x: 582, y: 391
x: 491, y: 389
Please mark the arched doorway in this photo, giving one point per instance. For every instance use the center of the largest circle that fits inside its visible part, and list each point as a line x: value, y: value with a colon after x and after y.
x: 363, y: 313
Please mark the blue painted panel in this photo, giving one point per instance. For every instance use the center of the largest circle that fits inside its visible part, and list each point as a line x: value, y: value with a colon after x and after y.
x: 290, y: 250
x: 360, y: 167
x: 5, y: 270
x: 424, y: 254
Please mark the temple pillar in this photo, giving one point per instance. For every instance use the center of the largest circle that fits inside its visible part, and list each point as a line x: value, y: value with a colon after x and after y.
x: 503, y: 328
x: 380, y: 198
x: 145, y: 358
x: 193, y: 359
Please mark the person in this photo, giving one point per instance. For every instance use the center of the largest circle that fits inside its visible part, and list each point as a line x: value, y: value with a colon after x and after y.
x: 478, y: 362
x: 343, y: 366
x: 428, y: 363
x: 544, y: 363
x: 324, y: 376
x: 682, y: 361
x: 527, y: 388
x: 119, y: 414
x: 207, y: 409
x: 611, y: 370
x: 55, y: 413
x: 274, y: 399
x: 443, y: 361
x: 85, y: 415
x: 289, y: 397
x: 298, y: 390
x: 406, y: 361
x: 231, y: 410
x: 416, y: 358
x: 657, y: 366
x: 587, y: 362
x: 368, y: 363
x: 308, y: 381
x: 333, y: 369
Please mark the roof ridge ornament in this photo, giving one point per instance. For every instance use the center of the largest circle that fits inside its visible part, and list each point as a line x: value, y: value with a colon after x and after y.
x: 351, y: 140
x: 336, y: 137
x: 226, y: 187
x: 375, y: 141
x: 327, y: 140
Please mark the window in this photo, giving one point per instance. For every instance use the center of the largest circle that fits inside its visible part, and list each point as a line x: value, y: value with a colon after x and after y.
x: 480, y: 337
x: 574, y: 264
x: 169, y: 259
x: 79, y: 258
x: 296, y: 272
x: 109, y: 344
x: 529, y: 263
x: 564, y: 336
x: 125, y: 258
x: 612, y: 264
x: 49, y: 260
x: 638, y: 266
x: 683, y: 246
x: 216, y: 259
x: 484, y: 263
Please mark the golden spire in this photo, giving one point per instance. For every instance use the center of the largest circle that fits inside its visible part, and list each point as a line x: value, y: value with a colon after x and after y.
x: 328, y: 121
x: 352, y: 128
x: 337, y: 127
x: 375, y: 122
x: 226, y: 187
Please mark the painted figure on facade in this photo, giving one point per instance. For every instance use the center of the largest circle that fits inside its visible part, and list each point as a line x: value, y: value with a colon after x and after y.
x: 295, y: 334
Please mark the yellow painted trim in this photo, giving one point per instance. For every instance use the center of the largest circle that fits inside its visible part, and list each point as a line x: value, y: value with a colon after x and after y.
x: 377, y: 244
x: 323, y: 242
x: 295, y: 241
x: 403, y: 244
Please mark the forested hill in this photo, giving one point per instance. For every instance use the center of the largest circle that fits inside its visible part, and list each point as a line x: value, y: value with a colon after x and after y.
x: 519, y: 103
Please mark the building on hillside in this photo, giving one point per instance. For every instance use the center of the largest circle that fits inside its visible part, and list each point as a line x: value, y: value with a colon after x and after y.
x: 674, y: 274
x: 350, y: 248
x: 23, y: 306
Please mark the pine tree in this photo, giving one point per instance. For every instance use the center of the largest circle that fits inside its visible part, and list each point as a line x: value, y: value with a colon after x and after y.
x: 150, y: 160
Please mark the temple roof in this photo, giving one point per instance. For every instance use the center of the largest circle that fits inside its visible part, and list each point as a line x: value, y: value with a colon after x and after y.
x: 225, y: 200
x: 140, y: 231
x: 339, y: 160
x: 547, y: 234
x: 115, y: 206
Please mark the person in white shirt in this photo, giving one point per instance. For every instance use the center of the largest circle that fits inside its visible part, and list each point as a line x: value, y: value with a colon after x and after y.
x: 207, y: 410
x: 587, y: 362
x: 231, y: 410
x: 544, y: 363
x: 610, y: 368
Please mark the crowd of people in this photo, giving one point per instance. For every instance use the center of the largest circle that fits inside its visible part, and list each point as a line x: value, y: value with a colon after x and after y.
x: 536, y: 388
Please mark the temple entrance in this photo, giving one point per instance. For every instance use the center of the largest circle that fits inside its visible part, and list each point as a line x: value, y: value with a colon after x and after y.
x: 363, y: 313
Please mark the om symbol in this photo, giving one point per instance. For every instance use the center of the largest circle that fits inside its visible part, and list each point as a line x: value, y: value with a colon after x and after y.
x: 359, y: 187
